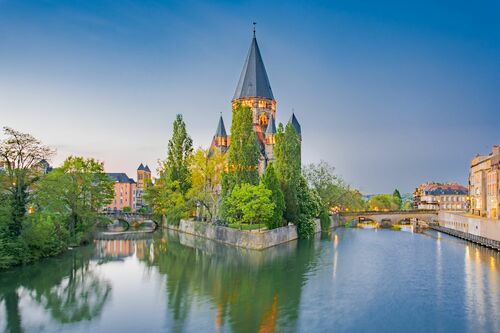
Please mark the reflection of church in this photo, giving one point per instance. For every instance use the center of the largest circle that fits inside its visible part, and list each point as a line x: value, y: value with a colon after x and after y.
x: 254, y: 91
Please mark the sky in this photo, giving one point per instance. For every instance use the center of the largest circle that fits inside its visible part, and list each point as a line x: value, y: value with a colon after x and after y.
x: 392, y: 93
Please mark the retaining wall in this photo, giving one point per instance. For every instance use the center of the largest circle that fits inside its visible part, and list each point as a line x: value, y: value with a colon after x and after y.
x: 477, y: 226
x: 256, y: 240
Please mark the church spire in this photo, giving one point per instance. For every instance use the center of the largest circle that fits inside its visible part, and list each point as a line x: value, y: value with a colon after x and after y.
x: 253, y: 80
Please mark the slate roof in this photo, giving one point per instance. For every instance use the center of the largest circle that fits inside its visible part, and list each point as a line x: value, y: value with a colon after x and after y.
x: 146, y: 168
x: 444, y: 189
x: 295, y: 124
x: 271, y: 127
x: 120, y: 178
x: 140, y: 168
x: 253, y: 79
x: 221, y: 129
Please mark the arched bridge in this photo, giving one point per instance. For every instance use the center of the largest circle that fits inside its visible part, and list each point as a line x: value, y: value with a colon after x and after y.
x: 389, y: 218
x: 132, y: 219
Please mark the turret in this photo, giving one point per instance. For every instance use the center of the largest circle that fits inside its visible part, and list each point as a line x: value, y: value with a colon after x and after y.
x: 220, y: 137
x: 270, y: 139
x: 296, y: 125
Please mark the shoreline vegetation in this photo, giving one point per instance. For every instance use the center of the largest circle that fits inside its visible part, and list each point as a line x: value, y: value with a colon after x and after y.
x: 43, y: 211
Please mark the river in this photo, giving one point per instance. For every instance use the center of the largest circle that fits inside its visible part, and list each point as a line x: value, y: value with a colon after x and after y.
x: 350, y: 280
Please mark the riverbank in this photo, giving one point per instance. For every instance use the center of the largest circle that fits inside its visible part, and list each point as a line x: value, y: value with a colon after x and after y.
x: 249, y: 239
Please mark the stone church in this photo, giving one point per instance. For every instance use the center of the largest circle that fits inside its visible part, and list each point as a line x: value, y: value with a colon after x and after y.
x: 254, y: 90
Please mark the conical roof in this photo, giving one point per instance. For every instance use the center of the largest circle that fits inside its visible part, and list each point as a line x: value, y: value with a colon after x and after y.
x: 146, y: 168
x: 253, y: 80
x: 295, y: 124
x: 221, y: 129
x: 271, y: 127
x: 141, y: 167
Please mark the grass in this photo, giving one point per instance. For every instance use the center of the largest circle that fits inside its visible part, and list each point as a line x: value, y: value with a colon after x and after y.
x: 245, y: 226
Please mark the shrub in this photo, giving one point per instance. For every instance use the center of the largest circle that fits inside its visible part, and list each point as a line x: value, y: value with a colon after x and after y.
x: 325, y: 220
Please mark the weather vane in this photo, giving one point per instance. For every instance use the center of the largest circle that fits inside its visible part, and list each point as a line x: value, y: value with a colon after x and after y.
x: 254, y: 23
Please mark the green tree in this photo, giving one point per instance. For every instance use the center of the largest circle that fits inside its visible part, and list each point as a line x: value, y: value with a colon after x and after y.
x: 243, y: 154
x: 180, y: 148
x: 332, y: 189
x: 288, y: 168
x: 397, y: 198
x: 20, y: 155
x: 382, y: 202
x: 309, y: 208
x: 167, y: 197
x: 206, y: 171
x: 270, y: 181
x: 75, y: 193
x: 249, y: 203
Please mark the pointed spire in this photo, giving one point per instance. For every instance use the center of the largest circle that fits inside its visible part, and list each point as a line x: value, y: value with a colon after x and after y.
x: 271, y: 127
x: 253, y: 80
x: 295, y: 124
x: 221, y: 129
x: 146, y: 168
x: 141, y: 167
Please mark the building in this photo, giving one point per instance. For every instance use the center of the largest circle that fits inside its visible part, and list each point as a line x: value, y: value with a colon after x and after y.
x: 254, y: 90
x: 451, y: 197
x: 143, y: 181
x: 124, y: 193
x: 484, y: 187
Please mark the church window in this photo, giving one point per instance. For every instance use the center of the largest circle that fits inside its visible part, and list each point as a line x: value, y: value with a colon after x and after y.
x: 263, y: 119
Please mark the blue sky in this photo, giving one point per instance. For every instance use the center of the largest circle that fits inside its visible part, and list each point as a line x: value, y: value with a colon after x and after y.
x: 391, y: 93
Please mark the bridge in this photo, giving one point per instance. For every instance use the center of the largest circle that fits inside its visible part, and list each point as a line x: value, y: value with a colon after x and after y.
x: 132, y: 219
x: 389, y: 218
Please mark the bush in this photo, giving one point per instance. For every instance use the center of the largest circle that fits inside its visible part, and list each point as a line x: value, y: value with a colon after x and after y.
x: 305, y: 227
x: 45, y: 235
x: 325, y: 220
x: 249, y: 204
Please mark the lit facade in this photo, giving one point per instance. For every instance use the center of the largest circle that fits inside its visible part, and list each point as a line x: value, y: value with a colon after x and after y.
x: 143, y: 181
x: 124, y: 188
x: 436, y: 196
x: 254, y: 91
x: 484, y: 184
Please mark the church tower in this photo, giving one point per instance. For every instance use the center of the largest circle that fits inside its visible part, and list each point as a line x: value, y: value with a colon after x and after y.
x: 254, y: 90
x: 220, y: 140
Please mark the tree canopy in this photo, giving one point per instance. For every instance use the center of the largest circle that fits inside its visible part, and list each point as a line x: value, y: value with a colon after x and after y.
x: 270, y: 181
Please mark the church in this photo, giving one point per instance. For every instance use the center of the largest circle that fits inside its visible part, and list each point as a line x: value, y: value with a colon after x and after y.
x: 254, y: 90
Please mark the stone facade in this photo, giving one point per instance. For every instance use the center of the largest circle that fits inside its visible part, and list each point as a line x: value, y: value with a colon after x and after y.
x: 484, y: 184
x: 436, y: 196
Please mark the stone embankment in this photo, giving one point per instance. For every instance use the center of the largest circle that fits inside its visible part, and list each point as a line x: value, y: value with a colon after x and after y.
x: 255, y: 240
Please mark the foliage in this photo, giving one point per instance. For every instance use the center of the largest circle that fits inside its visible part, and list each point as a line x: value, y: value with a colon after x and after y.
x: 270, y: 181
x: 206, y: 170
x: 180, y: 148
x: 167, y: 197
x: 243, y: 154
x: 20, y: 154
x: 407, y: 205
x: 309, y: 208
x: 75, y: 193
x: 288, y: 168
x: 382, y: 202
x: 396, y: 196
x: 249, y: 203
x: 332, y: 189
x: 324, y: 219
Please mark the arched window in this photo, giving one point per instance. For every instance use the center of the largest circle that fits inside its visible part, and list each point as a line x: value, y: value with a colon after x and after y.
x: 263, y: 119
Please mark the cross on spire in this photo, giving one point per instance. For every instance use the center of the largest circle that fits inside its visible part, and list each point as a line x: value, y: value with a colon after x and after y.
x: 254, y: 23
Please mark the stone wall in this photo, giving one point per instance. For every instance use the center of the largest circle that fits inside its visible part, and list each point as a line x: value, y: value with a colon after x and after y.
x: 479, y: 226
x: 256, y: 240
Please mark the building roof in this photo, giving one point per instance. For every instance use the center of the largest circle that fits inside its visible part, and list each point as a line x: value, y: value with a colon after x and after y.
x: 271, y: 127
x: 146, y: 168
x: 443, y: 189
x: 141, y: 167
x: 221, y: 129
x: 295, y: 124
x: 253, y: 80
x: 120, y: 178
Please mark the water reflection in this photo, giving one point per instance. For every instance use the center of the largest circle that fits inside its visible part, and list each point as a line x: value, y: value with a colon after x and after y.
x: 252, y: 291
x: 69, y: 289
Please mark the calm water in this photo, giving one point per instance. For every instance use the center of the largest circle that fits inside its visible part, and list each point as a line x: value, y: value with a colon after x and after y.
x: 351, y: 280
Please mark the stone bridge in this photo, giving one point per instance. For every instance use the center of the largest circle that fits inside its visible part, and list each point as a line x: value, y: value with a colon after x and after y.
x: 389, y: 218
x: 131, y: 219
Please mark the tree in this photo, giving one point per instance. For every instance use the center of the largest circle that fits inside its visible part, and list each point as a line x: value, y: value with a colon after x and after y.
x: 309, y: 204
x: 206, y: 170
x: 270, y: 181
x: 75, y: 193
x: 167, y: 197
x: 180, y: 148
x: 249, y: 203
x: 397, y: 198
x: 20, y: 154
x: 243, y: 154
x: 382, y: 202
x: 288, y: 168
